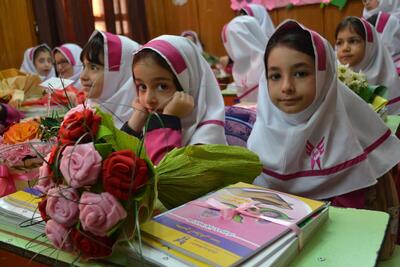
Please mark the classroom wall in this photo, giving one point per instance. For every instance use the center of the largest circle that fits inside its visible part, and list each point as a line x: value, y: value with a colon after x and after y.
x: 207, y: 17
x: 17, y: 31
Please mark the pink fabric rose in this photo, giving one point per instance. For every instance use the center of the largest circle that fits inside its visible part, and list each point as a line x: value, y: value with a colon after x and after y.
x: 45, y: 181
x: 78, y: 108
x: 58, y: 235
x: 99, y: 213
x: 80, y: 165
x: 62, y: 205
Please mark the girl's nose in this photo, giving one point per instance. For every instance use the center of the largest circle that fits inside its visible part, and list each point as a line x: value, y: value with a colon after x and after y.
x: 287, y: 86
x: 151, y: 97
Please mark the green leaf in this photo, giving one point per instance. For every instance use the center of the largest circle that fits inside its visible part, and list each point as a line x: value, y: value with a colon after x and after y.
x: 104, y: 149
x: 237, y: 218
x: 339, y: 3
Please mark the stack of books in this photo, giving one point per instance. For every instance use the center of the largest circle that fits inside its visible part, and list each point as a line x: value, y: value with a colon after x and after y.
x: 19, y: 211
x: 197, y: 233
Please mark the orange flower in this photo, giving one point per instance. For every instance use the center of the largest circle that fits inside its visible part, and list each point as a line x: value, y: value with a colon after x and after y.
x: 21, y: 132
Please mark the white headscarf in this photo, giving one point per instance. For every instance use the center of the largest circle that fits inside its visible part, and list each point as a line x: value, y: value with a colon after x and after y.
x: 388, y: 27
x: 205, y: 125
x: 28, y: 65
x: 388, y: 6
x: 335, y: 146
x: 72, y: 53
x: 245, y: 43
x: 379, y: 68
x: 195, y: 37
x: 118, y: 87
x: 261, y: 15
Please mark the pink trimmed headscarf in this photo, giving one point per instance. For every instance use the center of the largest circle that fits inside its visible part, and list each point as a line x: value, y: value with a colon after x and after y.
x: 245, y: 43
x: 379, y: 68
x: 28, y: 66
x: 260, y: 13
x: 335, y: 146
x: 72, y: 53
x: 205, y: 125
x: 118, y: 87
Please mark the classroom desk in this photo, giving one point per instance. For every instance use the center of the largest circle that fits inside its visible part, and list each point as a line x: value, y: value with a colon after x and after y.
x: 349, y: 238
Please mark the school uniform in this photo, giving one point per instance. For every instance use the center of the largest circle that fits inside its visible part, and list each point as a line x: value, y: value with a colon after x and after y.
x: 336, y: 146
x: 205, y: 124
x: 245, y: 42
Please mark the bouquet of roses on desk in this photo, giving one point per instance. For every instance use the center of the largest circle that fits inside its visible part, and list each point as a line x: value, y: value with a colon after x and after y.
x: 98, y: 184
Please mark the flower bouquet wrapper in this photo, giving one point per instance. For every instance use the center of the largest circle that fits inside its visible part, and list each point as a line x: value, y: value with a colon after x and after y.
x: 190, y: 172
x: 16, y: 87
x: 98, y: 185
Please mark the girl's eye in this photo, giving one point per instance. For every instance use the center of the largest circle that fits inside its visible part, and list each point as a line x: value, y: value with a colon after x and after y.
x: 141, y: 87
x: 274, y: 76
x: 94, y: 67
x: 300, y: 74
x: 338, y: 43
x: 162, y: 87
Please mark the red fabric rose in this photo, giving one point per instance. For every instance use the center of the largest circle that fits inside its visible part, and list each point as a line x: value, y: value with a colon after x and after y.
x: 91, y: 246
x: 42, y: 209
x: 123, y: 174
x: 79, y: 124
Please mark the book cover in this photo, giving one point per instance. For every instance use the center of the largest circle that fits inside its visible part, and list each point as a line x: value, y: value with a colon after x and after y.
x: 203, y: 234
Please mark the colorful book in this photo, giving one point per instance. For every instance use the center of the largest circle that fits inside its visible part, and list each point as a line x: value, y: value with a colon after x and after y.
x: 201, y: 233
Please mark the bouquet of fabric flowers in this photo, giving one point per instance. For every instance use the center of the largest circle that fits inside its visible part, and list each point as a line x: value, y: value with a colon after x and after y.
x: 97, y: 185
x: 374, y: 95
x: 21, y: 147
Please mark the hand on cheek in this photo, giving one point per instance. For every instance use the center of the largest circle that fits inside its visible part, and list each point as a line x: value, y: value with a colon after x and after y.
x: 181, y: 105
x: 139, y: 116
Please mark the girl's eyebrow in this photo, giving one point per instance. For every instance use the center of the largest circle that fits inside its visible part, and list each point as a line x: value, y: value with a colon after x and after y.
x: 296, y: 65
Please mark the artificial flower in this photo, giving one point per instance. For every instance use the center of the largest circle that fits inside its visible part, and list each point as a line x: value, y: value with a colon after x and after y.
x: 62, y: 205
x: 22, y: 132
x: 58, y: 235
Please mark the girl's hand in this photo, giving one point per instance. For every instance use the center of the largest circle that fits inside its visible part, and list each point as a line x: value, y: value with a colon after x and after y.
x: 181, y: 105
x: 138, y: 119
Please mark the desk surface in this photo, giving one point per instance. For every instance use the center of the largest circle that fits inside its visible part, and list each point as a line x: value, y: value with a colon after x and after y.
x: 348, y: 236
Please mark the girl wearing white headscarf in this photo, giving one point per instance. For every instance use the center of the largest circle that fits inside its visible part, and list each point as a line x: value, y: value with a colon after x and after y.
x: 372, y: 7
x: 38, y: 60
x: 192, y: 35
x: 375, y: 60
x: 106, y: 75
x: 174, y: 81
x: 261, y: 15
x: 245, y: 43
x: 67, y: 61
x: 333, y: 147
x: 388, y: 28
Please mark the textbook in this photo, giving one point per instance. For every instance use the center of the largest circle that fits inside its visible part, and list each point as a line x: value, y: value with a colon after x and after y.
x: 20, y: 209
x: 263, y: 226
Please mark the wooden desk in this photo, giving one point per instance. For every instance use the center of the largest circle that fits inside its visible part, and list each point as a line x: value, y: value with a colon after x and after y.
x: 349, y: 238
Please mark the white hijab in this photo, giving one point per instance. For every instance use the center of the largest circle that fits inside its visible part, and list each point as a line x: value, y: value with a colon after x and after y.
x: 388, y: 27
x: 195, y: 37
x: 260, y: 13
x: 205, y: 125
x: 379, y: 68
x: 388, y: 6
x: 335, y: 146
x: 118, y: 87
x: 28, y: 65
x: 72, y: 53
x: 245, y: 43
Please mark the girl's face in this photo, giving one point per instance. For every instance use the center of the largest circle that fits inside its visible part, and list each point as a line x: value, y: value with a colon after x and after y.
x: 350, y: 47
x: 370, y: 4
x: 64, y: 68
x: 92, y: 78
x: 154, y: 83
x: 291, y: 79
x: 43, y: 63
